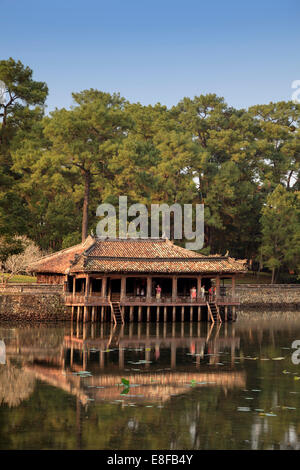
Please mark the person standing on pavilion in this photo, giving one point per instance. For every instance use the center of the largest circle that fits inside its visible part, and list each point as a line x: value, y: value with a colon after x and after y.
x: 158, y: 292
x: 193, y: 293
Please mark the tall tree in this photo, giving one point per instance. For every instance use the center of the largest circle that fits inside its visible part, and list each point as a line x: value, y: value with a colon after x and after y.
x: 223, y: 165
x: 280, y: 230
x: 85, y: 137
x: 21, y: 106
x: 20, y: 92
x: 278, y: 143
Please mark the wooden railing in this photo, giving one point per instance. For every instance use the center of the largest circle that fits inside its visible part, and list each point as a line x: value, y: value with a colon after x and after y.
x: 85, y: 299
x: 179, y: 299
x: 92, y: 299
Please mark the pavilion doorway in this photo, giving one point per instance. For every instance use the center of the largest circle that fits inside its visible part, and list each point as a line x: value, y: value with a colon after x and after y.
x: 114, y: 288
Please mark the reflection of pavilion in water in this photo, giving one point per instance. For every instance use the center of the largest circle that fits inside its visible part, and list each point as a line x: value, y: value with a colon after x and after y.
x: 158, y: 363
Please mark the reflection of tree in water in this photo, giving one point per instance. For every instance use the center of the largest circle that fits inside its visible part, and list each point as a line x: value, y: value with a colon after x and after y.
x: 16, y: 385
x: 39, y: 335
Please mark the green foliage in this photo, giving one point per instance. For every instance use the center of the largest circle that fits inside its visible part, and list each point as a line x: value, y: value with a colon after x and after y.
x: 280, y: 229
x: 56, y: 170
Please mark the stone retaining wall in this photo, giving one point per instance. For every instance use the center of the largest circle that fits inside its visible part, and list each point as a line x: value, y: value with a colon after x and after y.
x: 40, y: 307
x: 266, y: 295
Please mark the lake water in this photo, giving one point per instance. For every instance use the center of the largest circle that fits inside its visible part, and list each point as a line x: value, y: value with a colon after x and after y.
x: 234, y: 386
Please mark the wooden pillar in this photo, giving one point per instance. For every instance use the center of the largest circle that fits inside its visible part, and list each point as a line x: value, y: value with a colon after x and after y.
x: 103, y: 289
x: 226, y: 312
x: 123, y: 288
x: 191, y: 314
x: 140, y: 313
x: 148, y: 314
x: 93, y: 314
x: 149, y: 287
x: 233, y: 312
x: 233, y: 286
x: 111, y: 315
x: 199, y: 279
x: 182, y: 313
x: 165, y: 313
x: 157, y: 314
x: 85, y: 314
x: 72, y: 314
x: 174, y: 288
x: 199, y: 313
x: 87, y: 285
x: 131, y: 313
x: 218, y: 286
x: 74, y: 285
x: 174, y: 314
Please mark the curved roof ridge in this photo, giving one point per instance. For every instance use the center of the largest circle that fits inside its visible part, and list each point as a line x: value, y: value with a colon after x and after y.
x: 67, y: 254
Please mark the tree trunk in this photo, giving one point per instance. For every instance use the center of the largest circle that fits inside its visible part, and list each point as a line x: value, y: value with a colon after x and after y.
x: 85, y: 214
x: 273, y: 275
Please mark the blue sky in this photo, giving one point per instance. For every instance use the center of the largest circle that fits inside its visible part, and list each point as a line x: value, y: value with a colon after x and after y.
x: 157, y: 51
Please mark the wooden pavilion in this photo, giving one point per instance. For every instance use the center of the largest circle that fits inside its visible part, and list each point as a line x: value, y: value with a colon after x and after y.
x: 123, y: 280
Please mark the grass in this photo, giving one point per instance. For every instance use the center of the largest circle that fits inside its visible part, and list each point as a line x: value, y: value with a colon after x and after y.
x: 252, y: 277
x: 20, y: 278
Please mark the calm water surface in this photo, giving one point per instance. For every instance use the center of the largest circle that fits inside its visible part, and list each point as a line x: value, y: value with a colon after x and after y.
x: 193, y: 386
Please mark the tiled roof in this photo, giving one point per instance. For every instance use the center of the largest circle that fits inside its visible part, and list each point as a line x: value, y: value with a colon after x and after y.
x: 90, y: 264
x: 60, y: 261
x: 140, y: 248
x: 136, y: 256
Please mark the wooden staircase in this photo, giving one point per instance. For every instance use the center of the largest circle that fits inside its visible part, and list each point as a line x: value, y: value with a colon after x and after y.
x: 115, y: 309
x: 214, y: 312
